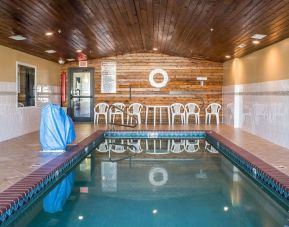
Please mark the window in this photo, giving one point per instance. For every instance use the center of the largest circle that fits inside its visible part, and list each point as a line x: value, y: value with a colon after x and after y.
x: 26, y: 88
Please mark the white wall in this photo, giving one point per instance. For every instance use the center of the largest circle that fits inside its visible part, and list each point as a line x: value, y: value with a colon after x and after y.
x: 18, y: 121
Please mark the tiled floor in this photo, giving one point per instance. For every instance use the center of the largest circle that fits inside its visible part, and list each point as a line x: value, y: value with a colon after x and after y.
x: 21, y: 156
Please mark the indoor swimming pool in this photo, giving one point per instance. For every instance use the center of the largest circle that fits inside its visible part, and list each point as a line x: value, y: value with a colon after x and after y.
x: 155, y: 182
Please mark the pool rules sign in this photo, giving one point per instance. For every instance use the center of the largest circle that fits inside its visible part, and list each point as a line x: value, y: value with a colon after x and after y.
x: 108, y: 77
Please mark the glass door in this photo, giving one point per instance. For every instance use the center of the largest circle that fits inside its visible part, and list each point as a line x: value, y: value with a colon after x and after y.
x: 81, y: 94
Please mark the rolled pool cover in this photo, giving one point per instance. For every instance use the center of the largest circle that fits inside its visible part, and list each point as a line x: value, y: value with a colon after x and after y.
x: 56, y: 129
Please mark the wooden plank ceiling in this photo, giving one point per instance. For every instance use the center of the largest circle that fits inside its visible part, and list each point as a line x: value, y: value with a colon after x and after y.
x: 111, y: 27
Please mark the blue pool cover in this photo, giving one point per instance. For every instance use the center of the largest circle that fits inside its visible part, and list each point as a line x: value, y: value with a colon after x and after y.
x: 56, y: 128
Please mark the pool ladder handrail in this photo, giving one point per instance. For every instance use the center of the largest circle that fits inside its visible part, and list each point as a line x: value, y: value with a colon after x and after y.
x: 126, y: 113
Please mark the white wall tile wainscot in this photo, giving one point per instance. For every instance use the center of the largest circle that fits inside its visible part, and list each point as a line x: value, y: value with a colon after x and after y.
x: 259, y: 108
x: 16, y: 121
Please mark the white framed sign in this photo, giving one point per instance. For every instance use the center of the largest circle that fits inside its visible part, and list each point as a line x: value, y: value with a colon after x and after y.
x: 108, y: 77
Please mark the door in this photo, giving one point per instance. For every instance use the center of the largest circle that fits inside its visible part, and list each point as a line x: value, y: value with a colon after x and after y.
x: 81, y: 95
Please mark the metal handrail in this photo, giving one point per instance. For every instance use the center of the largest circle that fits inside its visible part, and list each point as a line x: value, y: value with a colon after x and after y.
x: 125, y: 112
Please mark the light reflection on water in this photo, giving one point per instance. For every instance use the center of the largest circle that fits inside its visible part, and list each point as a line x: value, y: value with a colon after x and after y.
x: 154, y: 188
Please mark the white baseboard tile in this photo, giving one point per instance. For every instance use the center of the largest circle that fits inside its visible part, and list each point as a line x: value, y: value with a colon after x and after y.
x: 16, y: 121
x: 262, y: 109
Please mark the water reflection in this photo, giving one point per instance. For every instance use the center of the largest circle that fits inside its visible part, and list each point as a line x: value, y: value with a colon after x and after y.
x: 109, y: 176
x: 158, y: 176
x: 177, y: 146
x: 153, y: 146
x: 157, y: 146
x: 192, y: 146
x: 201, y: 174
x: 182, y: 191
x: 56, y: 199
x: 135, y: 145
x: 210, y: 148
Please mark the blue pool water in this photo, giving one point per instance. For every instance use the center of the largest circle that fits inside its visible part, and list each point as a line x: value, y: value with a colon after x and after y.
x: 167, y: 183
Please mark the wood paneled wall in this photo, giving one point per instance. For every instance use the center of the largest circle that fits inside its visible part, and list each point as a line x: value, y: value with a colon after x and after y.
x: 133, y: 72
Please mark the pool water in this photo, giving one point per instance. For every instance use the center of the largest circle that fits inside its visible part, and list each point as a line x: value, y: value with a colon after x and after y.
x: 157, y: 188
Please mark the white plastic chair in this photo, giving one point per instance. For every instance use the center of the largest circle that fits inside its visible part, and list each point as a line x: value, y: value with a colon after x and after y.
x: 192, y: 146
x: 178, y: 146
x: 192, y: 109
x: 213, y: 109
x: 115, y: 111
x: 100, y: 109
x: 178, y: 109
x: 135, y: 110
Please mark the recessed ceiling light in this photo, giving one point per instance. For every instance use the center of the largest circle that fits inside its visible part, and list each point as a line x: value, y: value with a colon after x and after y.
x: 242, y: 45
x: 49, y: 33
x: 258, y: 36
x: 17, y: 37
x: 255, y: 42
x: 70, y: 59
x: 228, y: 56
x: 155, y: 49
x: 50, y: 51
x: 211, y: 29
x: 78, y: 51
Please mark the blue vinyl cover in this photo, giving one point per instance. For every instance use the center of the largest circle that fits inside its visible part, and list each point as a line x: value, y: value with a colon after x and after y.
x: 56, y: 199
x: 56, y: 128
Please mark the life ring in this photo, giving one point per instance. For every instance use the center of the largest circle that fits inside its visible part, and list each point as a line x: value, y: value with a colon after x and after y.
x: 164, y: 75
x: 152, y: 175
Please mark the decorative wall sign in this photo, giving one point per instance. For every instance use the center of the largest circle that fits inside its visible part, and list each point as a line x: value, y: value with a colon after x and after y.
x: 82, y: 64
x: 158, y: 84
x: 108, y: 77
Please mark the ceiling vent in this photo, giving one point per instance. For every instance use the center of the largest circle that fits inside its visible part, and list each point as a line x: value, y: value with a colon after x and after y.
x: 258, y: 36
x: 50, y: 51
x: 17, y: 37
